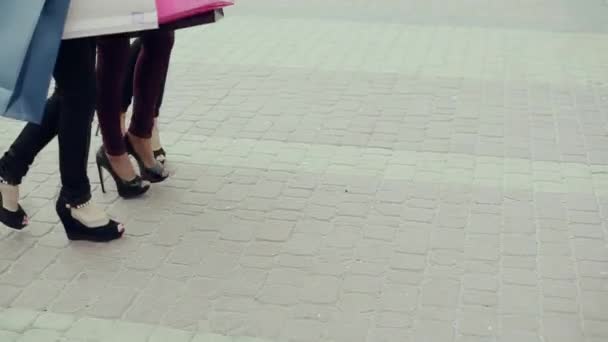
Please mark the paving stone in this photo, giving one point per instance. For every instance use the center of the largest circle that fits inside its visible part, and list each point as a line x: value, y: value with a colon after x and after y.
x: 482, y: 247
x: 400, y: 298
x: 519, y: 245
x: 51, y: 321
x: 392, y: 319
x: 427, y: 331
x: 211, y: 338
x: 16, y: 320
x: 448, y: 239
x: 274, y: 230
x: 594, y: 304
x: 560, y: 305
x: 413, y: 241
x: 520, y: 336
x: 35, y: 335
x: 362, y: 284
x: 90, y: 328
x: 518, y: 299
x: 39, y: 294
x: 517, y: 276
x: 9, y: 336
x: 441, y: 292
x: 480, y: 298
x: 562, y: 328
x: 478, y: 322
x: 302, y: 330
x: 410, y: 262
x: 557, y: 268
x: 161, y: 334
x: 485, y: 282
x: 520, y: 322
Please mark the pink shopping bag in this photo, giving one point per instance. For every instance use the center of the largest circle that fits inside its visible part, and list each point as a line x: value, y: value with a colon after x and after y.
x: 173, y: 10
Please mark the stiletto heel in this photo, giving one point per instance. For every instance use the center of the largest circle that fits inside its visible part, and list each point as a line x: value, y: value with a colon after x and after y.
x: 155, y: 174
x: 12, y: 219
x: 75, y: 230
x: 126, y: 189
x: 101, y: 181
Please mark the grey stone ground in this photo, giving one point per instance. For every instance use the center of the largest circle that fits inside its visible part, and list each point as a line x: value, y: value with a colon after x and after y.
x: 364, y: 170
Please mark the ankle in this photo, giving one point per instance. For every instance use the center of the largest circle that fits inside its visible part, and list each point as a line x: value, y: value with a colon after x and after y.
x: 122, y: 166
x: 10, y: 196
x: 90, y: 215
x: 143, y: 149
x: 156, y: 144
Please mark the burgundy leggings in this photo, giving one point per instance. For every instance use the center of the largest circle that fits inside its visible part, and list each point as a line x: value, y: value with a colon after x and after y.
x: 150, y: 70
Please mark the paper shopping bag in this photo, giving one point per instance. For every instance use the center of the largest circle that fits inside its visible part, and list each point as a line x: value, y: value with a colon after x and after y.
x: 33, y: 30
x: 88, y: 18
x: 174, y: 10
x: 18, y: 22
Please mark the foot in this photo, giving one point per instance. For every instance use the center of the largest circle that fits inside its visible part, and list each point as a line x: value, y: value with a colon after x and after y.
x: 143, y: 149
x: 90, y: 216
x: 10, y: 196
x: 123, y: 167
x: 11, y: 213
x: 88, y: 222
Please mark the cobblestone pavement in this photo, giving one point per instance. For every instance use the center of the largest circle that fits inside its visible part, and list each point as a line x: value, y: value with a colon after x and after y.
x: 350, y: 171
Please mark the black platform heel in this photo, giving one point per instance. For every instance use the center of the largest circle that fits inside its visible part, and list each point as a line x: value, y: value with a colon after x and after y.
x: 126, y: 189
x: 12, y: 219
x: 155, y: 174
x: 76, y: 230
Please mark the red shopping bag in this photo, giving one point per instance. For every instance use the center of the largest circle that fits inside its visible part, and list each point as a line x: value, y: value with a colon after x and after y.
x: 173, y: 10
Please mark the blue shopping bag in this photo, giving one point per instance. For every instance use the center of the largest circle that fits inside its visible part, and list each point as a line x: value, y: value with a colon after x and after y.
x: 30, y: 32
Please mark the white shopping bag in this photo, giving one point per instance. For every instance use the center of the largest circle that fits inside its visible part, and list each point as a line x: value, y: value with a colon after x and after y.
x: 88, y: 18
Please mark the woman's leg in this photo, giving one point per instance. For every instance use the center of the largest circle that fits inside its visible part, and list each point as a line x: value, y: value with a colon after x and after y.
x: 127, y: 98
x: 157, y: 146
x: 150, y: 72
x: 150, y: 75
x: 16, y: 162
x: 161, y: 95
x: 127, y: 94
x: 74, y: 94
x: 76, y: 90
x: 113, y: 53
x: 75, y: 78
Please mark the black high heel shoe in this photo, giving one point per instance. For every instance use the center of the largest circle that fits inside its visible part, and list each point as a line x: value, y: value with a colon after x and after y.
x: 76, y: 230
x: 126, y: 189
x: 160, y: 155
x: 155, y: 174
x: 12, y: 219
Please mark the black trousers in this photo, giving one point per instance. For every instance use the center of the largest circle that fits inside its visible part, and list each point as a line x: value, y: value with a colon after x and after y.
x: 128, y: 85
x: 68, y: 115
